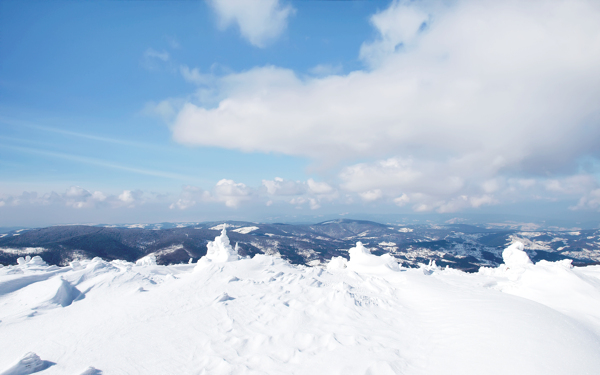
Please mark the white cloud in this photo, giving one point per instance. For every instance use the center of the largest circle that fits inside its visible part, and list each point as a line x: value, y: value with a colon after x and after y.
x: 151, y: 53
x: 402, y: 200
x: 300, y: 201
x: 79, y: 198
x: 590, y: 200
x: 319, y: 188
x: 194, y: 75
x: 371, y: 195
x: 326, y: 69
x: 468, y: 86
x: 576, y: 184
x: 458, y: 99
x: 190, y: 196
x: 279, y: 186
x: 231, y: 193
x: 165, y: 109
x: 398, y: 26
x: 259, y: 21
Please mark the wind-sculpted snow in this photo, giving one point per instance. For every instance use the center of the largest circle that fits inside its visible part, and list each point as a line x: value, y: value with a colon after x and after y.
x: 30, y: 363
x: 515, y: 257
x: 220, y: 249
x: 262, y: 315
x: 362, y: 261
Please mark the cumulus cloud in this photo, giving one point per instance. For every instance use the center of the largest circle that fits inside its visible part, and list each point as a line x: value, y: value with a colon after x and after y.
x: 78, y: 198
x: 472, y: 99
x: 371, y: 195
x: 319, y: 188
x: 398, y: 26
x: 279, y: 186
x: 131, y: 198
x: 298, y: 202
x: 309, y: 193
x: 278, y: 191
x: 190, y: 196
x: 520, y: 97
x: 229, y: 192
x: 259, y: 21
x: 590, y: 200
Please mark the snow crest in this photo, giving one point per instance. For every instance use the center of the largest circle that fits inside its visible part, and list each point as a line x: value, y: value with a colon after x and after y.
x: 362, y: 261
x: 514, y: 256
x: 263, y: 315
x: 148, y: 260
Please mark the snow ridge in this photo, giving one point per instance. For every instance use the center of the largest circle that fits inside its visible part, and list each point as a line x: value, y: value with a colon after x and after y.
x: 262, y: 315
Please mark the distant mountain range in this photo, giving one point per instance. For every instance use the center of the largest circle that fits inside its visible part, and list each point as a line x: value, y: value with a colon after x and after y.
x: 459, y: 246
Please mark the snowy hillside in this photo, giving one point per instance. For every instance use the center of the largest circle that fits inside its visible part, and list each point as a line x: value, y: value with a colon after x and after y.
x: 229, y: 314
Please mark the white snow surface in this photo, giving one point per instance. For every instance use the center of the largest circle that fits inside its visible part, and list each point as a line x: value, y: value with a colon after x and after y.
x: 265, y: 316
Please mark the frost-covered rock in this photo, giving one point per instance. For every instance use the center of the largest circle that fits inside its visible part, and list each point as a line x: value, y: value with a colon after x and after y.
x: 515, y: 257
x: 361, y: 260
x: 220, y: 249
x: 148, y: 260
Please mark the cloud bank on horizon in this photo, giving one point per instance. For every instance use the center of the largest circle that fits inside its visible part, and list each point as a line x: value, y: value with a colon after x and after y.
x: 458, y: 106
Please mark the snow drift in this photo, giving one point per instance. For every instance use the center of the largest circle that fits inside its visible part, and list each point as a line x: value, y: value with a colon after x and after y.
x: 366, y: 315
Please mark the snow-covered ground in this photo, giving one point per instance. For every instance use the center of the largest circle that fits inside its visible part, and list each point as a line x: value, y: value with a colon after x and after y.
x: 226, y: 315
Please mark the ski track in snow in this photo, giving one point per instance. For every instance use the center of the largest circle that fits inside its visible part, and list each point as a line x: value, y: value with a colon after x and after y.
x: 226, y: 315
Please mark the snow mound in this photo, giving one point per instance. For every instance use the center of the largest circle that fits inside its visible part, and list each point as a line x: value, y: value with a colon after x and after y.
x: 220, y: 249
x: 337, y: 263
x: 362, y: 261
x: 224, y: 297
x: 262, y: 315
x: 91, y: 371
x: 515, y: 257
x: 66, y: 294
x: 148, y: 260
x: 28, y: 364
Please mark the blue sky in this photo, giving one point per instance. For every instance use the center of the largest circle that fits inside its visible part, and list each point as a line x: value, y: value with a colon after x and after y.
x: 190, y: 110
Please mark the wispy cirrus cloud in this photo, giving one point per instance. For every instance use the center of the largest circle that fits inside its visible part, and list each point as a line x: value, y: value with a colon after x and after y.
x: 99, y: 162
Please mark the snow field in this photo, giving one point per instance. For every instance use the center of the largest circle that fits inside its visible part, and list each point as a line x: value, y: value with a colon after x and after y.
x: 226, y: 315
